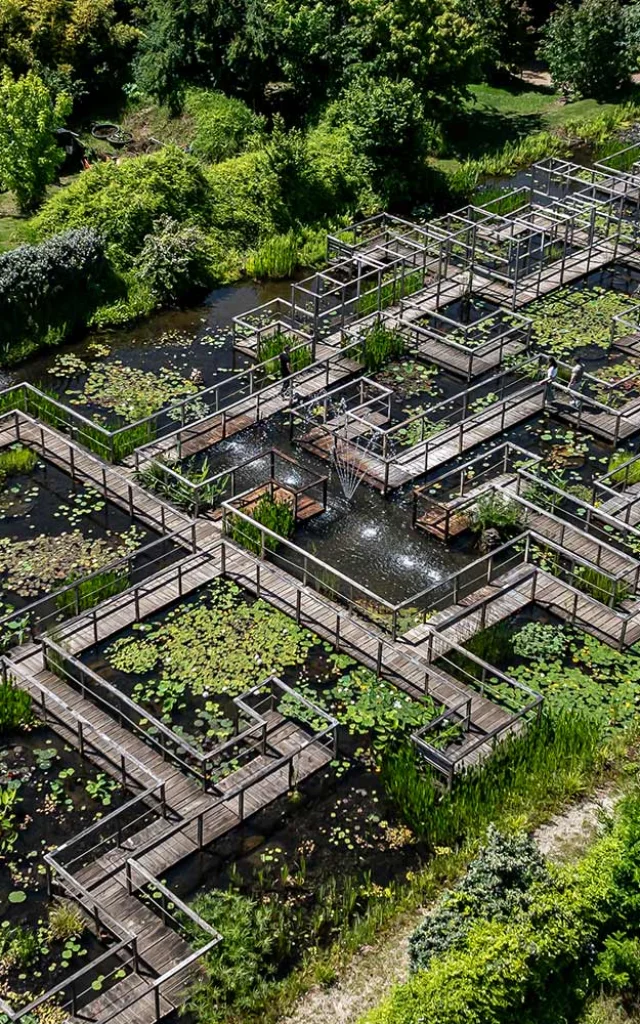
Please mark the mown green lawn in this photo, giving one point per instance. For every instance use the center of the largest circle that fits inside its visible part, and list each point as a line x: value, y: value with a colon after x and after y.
x: 12, y: 225
x: 494, y: 116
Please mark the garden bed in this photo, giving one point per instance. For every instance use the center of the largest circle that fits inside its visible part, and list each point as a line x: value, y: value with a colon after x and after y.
x: 54, y: 530
x: 48, y: 795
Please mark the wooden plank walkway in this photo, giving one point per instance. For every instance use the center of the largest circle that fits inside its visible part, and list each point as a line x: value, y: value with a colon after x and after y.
x: 576, y: 266
x: 159, y: 947
x: 114, y: 483
x: 254, y: 409
x: 617, y: 425
x: 448, y: 444
x: 627, y: 501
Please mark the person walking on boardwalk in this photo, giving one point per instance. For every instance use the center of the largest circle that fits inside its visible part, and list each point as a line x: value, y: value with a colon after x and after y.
x: 285, y: 368
x: 575, y: 383
x: 549, y: 381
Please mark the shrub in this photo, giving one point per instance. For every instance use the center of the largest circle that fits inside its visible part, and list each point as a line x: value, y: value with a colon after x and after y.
x: 49, y: 290
x: 29, y: 153
x: 539, y: 964
x: 122, y: 201
x: 589, y: 48
x: 176, y: 261
x: 386, y: 122
x: 497, y: 885
x: 246, y: 201
x: 223, y: 125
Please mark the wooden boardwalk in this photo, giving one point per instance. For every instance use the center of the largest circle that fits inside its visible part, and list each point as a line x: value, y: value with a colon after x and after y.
x: 444, y: 446
x: 263, y: 779
x: 416, y: 663
x: 115, y: 484
x: 255, y: 408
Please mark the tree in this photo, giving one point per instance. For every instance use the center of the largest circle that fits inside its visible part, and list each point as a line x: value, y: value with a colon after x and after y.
x: 88, y: 44
x: 505, y: 31
x: 428, y: 42
x: 29, y: 154
x: 589, y: 49
x: 387, y: 125
x: 186, y: 41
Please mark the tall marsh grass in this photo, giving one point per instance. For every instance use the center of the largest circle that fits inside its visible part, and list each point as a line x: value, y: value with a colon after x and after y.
x: 90, y: 592
x: 379, y: 347
x: 14, y: 461
x: 275, y: 259
x: 556, y: 759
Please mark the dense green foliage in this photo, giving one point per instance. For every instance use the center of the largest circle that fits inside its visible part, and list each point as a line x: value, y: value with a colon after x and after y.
x: 49, y: 290
x: 496, y: 886
x: 557, y: 755
x: 224, y: 126
x: 274, y: 514
x: 122, y: 201
x: 15, y: 708
x: 84, y: 46
x: 29, y: 155
x: 590, y: 49
x: 176, y: 260
x: 380, y: 346
x: 576, y: 929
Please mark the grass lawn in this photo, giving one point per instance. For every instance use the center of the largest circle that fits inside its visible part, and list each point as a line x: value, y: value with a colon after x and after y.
x: 12, y: 225
x: 494, y: 116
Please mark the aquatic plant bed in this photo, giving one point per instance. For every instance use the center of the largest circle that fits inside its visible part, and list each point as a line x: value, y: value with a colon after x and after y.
x: 576, y: 319
x: 54, y: 530
x: 574, y: 671
x: 48, y: 794
x: 184, y: 667
x: 298, y: 874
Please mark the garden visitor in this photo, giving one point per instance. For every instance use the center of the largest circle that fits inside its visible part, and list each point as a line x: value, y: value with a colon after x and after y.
x: 285, y: 368
x: 575, y: 383
x: 549, y: 380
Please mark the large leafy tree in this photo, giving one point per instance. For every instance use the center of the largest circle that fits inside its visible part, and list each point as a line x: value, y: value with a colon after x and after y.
x: 428, y: 42
x: 386, y: 123
x: 505, y: 32
x: 29, y: 154
x: 87, y: 43
x: 589, y: 49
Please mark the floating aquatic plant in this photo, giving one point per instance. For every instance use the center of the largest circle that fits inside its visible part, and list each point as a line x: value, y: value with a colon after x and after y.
x: 44, y: 562
x: 130, y: 392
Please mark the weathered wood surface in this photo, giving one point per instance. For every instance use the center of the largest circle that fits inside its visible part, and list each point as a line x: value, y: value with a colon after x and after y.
x: 255, y: 408
x: 443, y: 447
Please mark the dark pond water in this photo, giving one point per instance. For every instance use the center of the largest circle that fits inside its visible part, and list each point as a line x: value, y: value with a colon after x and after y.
x: 53, y: 805
x: 368, y: 538
x: 178, y: 340
x: 335, y: 837
x: 47, y: 502
x: 200, y: 715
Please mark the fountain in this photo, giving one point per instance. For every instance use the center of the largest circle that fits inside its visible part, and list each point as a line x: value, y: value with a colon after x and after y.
x: 350, y: 467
